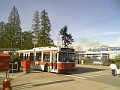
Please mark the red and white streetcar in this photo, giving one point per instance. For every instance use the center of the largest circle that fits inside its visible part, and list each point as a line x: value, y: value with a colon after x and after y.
x: 51, y: 59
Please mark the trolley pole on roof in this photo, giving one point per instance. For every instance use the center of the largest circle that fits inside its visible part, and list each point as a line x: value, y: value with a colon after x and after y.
x: 34, y: 54
x: 34, y: 43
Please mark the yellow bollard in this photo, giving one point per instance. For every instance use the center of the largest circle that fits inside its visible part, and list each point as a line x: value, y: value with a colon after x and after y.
x: 7, y: 89
x: 6, y: 85
x: 48, y: 69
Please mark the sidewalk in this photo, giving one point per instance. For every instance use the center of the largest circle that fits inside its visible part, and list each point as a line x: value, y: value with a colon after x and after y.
x: 12, y: 75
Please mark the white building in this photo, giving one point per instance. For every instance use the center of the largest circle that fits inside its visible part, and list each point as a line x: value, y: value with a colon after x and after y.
x: 100, y: 55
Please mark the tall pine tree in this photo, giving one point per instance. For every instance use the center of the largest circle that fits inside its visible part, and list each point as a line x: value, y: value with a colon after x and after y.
x: 15, y: 28
x: 66, y: 38
x: 2, y: 35
x: 27, y: 40
x: 44, y: 35
x: 36, y: 27
x: 8, y: 36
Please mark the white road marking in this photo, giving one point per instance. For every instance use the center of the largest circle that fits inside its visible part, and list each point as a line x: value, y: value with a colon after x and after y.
x: 91, y: 75
x: 94, y: 75
x: 88, y: 75
x: 75, y: 76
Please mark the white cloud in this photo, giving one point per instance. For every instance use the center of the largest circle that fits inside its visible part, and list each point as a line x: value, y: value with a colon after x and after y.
x: 116, y: 43
x: 84, y: 44
x: 111, y: 33
x: 104, y: 33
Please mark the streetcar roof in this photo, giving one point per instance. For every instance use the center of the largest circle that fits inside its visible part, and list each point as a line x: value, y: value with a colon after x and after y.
x: 43, y: 49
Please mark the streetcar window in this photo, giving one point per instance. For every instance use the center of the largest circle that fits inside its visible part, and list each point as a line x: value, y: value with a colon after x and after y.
x: 71, y: 57
x: 62, y: 57
x: 66, y: 57
x: 38, y: 56
x: 46, y: 56
x: 31, y: 56
x: 25, y: 57
x: 21, y: 56
x: 54, y: 57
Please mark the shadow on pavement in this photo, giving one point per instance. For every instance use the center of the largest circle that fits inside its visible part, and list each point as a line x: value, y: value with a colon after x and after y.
x: 30, y: 85
x: 53, y: 82
x: 80, y: 70
x: 36, y: 71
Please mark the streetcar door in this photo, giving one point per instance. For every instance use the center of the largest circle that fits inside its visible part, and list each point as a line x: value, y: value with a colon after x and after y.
x: 54, y: 61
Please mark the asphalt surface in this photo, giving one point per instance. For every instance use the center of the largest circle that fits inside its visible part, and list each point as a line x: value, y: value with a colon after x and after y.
x: 94, y: 77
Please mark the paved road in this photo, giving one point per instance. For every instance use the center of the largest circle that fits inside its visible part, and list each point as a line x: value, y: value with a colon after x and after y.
x: 103, y: 76
x: 85, y: 78
x: 1, y: 79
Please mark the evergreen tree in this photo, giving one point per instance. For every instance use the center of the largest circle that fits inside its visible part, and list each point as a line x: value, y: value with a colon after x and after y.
x: 66, y: 38
x: 27, y: 40
x: 36, y: 26
x: 8, y: 35
x: 44, y: 35
x: 2, y: 34
x: 15, y: 28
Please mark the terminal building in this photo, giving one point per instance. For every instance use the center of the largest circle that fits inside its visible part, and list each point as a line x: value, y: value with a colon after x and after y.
x: 100, y: 55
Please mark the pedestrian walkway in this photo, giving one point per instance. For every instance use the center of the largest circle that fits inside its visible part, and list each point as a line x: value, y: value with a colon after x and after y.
x: 90, y: 71
x: 92, y: 66
x: 90, y: 74
x: 12, y: 75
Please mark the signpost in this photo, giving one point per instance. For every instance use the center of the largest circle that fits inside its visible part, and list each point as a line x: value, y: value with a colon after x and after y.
x: 4, y: 67
x: 4, y: 62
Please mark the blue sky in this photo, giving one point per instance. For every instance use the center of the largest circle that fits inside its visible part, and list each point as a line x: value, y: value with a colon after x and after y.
x: 94, y: 20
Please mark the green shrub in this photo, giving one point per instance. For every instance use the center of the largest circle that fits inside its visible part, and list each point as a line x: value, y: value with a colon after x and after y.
x: 117, y: 58
x: 112, y: 60
x: 14, y: 58
x: 88, y: 60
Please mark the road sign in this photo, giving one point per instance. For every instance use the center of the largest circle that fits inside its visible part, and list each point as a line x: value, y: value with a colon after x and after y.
x: 4, y: 62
